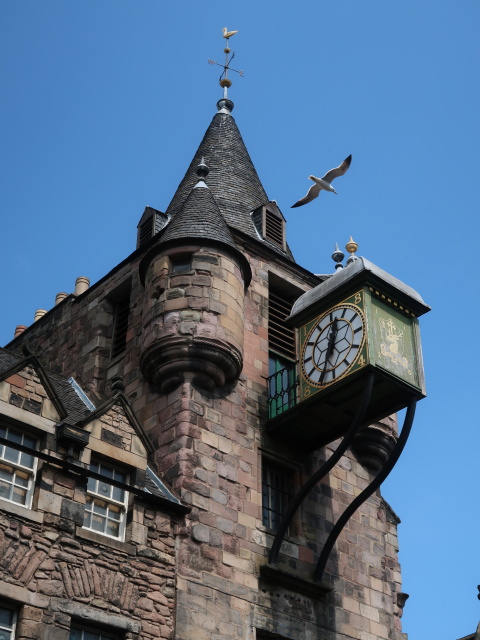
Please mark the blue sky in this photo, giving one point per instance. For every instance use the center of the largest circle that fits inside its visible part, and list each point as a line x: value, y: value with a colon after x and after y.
x: 104, y: 104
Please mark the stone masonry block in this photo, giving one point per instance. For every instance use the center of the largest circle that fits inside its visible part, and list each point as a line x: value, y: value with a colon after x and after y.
x: 71, y: 510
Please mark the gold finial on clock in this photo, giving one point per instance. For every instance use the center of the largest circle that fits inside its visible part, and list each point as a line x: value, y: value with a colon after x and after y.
x: 351, y: 247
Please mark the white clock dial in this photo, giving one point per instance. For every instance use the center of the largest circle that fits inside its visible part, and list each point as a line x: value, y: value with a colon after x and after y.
x: 333, y: 344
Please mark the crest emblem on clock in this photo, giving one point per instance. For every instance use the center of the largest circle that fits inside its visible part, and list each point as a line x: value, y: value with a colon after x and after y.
x: 392, y: 344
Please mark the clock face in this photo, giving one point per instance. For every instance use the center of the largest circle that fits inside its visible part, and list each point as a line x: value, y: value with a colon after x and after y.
x: 333, y: 345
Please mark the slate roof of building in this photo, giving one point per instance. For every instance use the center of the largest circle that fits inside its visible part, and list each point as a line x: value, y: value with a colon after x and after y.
x: 71, y: 401
x: 233, y: 179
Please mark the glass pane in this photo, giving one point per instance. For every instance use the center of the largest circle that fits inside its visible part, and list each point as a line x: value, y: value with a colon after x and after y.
x: 75, y: 634
x: 5, y: 490
x: 113, y: 528
x: 6, y: 473
x: 106, y: 471
x: 121, y: 477
x: 11, y: 454
x: 5, y: 635
x: 114, y: 512
x: 87, y: 519
x: 26, y: 460
x: 6, y: 615
x: 105, y: 489
x: 118, y: 494
x: 89, y: 635
x: 28, y: 441
x: 94, y: 466
x: 98, y: 523
x: 19, y: 495
x: 92, y: 485
x: 3, y: 432
x: 21, y: 478
x: 14, y: 436
x: 100, y: 507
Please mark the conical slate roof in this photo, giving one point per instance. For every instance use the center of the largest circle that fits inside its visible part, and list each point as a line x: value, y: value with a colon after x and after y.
x: 232, y: 180
x: 199, y: 217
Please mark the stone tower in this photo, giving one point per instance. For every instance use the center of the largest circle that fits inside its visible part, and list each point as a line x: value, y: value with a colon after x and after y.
x: 171, y: 354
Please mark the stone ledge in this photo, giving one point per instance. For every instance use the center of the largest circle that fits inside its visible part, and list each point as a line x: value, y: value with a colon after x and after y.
x: 21, y: 511
x: 92, y: 536
x: 86, y: 613
x: 23, y: 595
x: 277, y: 577
x: 23, y: 417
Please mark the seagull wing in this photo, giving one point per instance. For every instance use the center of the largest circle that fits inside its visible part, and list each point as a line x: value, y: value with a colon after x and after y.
x: 338, y: 171
x: 312, y: 193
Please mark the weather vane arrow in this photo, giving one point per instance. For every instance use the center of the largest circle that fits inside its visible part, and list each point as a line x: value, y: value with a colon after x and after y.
x: 224, y: 80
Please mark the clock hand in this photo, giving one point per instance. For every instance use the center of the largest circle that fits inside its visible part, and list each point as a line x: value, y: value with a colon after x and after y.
x: 330, y: 347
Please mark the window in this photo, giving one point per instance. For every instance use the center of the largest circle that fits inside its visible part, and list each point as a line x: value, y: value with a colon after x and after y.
x: 7, y: 623
x: 282, y: 381
x: 106, y: 504
x: 282, y: 385
x: 151, y: 222
x: 79, y: 633
x: 120, y: 326
x: 180, y: 265
x: 276, y: 483
x: 17, y: 469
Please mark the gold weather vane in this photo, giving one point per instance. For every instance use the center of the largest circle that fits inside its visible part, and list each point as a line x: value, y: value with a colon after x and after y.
x: 225, y: 81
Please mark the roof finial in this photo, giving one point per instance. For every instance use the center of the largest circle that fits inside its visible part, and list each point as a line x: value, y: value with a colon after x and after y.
x: 337, y: 257
x: 351, y: 247
x: 202, y: 172
x: 225, y: 81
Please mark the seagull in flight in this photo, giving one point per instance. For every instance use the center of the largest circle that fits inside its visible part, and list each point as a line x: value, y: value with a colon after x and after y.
x: 324, y: 183
x: 228, y: 34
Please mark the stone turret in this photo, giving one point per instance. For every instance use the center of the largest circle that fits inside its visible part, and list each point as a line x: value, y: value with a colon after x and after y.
x: 195, y: 279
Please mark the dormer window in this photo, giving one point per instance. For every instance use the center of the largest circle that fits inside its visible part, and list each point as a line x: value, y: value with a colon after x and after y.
x: 270, y: 224
x: 150, y: 224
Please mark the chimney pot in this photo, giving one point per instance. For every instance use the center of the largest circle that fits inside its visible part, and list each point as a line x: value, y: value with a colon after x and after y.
x: 39, y: 313
x: 20, y: 328
x: 81, y: 285
x: 60, y: 296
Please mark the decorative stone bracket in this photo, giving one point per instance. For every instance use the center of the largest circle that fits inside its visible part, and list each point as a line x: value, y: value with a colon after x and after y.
x: 207, y: 363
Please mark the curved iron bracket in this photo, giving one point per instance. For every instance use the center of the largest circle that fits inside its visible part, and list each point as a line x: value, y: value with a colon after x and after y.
x: 367, y: 492
x: 322, y: 471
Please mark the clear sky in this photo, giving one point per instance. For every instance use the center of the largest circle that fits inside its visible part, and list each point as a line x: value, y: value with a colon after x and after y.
x: 103, y: 106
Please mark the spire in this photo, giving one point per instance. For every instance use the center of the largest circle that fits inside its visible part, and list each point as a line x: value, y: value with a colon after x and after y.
x: 233, y: 180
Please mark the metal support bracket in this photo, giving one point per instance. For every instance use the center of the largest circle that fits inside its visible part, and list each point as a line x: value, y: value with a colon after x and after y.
x: 322, y: 471
x: 367, y: 492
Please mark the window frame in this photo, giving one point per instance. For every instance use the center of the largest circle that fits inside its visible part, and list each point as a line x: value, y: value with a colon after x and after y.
x: 285, y: 493
x: 110, y: 500
x: 17, y: 466
x: 101, y: 635
x: 12, y: 629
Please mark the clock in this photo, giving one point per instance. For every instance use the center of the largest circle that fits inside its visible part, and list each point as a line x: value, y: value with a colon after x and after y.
x: 334, y: 344
x: 358, y: 322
